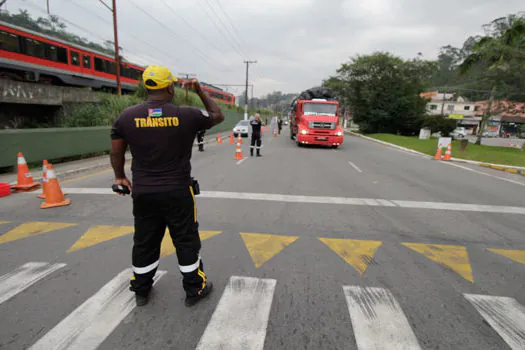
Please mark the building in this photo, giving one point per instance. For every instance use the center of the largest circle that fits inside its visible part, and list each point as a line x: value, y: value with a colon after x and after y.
x: 454, y: 107
x: 507, y: 118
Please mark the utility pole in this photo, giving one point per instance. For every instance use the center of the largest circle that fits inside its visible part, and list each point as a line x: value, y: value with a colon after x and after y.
x: 246, y: 91
x: 188, y: 75
x: 113, y: 10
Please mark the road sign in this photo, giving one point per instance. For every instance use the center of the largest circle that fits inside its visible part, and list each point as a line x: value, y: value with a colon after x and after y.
x: 444, y: 141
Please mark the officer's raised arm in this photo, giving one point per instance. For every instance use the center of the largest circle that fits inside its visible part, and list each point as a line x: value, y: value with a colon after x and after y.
x: 211, y: 106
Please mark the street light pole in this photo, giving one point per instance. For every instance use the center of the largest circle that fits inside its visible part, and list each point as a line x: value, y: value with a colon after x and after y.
x: 246, y: 91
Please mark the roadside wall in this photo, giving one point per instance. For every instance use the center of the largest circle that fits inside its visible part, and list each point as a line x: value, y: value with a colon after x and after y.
x: 55, y: 143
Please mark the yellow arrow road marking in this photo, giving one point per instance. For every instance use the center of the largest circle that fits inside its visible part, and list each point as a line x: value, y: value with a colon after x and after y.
x: 32, y: 229
x: 451, y: 256
x: 167, y: 247
x: 99, y: 234
x: 516, y: 255
x: 358, y: 253
x: 263, y: 247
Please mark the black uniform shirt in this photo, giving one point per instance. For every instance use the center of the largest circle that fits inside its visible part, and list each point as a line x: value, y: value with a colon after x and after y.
x: 160, y: 136
x: 256, y: 126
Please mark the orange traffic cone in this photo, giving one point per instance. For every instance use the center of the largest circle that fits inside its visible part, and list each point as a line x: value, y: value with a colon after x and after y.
x: 274, y: 132
x: 232, y: 140
x: 44, y: 180
x: 219, y: 140
x: 238, y: 152
x: 438, y: 155
x: 448, y: 153
x: 54, y: 195
x: 239, y: 139
x: 25, y: 180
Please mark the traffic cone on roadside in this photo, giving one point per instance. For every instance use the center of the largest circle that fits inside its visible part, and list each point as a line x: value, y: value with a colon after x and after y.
x: 219, y: 139
x: 232, y: 140
x: 448, y: 153
x: 44, y: 180
x: 274, y: 133
x: 238, y: 152
x: 25, y: 180
x: 438, y: 155
x: 54, y: 195
x: 239, y: 139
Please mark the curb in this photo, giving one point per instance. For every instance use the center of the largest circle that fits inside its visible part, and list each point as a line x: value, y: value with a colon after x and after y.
x: 508, y: 168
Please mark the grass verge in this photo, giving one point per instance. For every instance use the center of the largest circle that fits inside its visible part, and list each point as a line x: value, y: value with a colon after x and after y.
x: 480, y: 153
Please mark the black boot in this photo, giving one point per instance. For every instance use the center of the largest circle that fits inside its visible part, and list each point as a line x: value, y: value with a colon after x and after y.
x: 191, y: 300
x: 259, y: 153
x: 141, y: 300
x: 251, y: 152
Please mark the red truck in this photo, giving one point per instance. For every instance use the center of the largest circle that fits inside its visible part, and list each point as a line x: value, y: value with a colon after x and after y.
x: 314, y: 119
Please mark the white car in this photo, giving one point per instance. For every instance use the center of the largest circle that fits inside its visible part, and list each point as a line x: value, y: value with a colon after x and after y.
x: 242, y: 128
x: 458, y: 133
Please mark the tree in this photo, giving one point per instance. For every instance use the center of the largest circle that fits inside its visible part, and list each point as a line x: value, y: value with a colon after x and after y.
x: 502, y: 51
x: 383, y: 92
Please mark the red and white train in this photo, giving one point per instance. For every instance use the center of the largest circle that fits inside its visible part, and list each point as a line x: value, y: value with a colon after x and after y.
x: 27, y: 55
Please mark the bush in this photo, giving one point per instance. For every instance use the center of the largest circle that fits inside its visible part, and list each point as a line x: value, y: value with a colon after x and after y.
x: 440, y: 123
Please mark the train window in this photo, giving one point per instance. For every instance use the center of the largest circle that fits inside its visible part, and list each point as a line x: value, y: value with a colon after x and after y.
x: 100, y: 64
x: 86, y: 61
x: 111, y: 67
x: 9, y: 42
x: 75, y: 58
x: 35, y: 48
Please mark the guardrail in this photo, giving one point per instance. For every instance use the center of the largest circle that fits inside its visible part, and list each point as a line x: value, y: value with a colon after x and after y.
x: 56, y: 143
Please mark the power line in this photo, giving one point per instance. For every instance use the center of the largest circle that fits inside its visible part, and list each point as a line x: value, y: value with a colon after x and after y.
x: 220, y: 30
x: 235, y: 41
x: 178, y: 15
x: 231, y: 22
x: 196, y: 50
x: 127, y: 34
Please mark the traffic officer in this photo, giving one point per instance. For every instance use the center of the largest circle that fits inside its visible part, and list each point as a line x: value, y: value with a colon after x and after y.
x: 200, y: 140
x: 256, y: 124
x: 161, y: 135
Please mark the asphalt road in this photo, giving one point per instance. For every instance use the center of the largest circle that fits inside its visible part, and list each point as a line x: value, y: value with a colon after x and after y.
x: 362, y: 247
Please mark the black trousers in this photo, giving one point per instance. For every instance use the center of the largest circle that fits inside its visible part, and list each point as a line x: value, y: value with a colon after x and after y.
x: 200, y: 141
x: 256, y: 142
x: 154, y: 212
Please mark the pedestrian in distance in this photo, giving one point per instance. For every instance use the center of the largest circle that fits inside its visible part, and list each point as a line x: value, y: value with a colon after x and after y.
x: 161, y: 136
x: 200, y: 140
x: 279, y: 125
x: 256, y: 141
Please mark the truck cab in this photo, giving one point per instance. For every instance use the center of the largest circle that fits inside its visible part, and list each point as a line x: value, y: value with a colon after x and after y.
x: 316, y: 122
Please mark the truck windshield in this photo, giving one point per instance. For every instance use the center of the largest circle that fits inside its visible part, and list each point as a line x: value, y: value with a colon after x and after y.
x: 320, y: 109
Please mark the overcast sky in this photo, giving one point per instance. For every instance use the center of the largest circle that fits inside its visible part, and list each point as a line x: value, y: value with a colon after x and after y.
x: 297, y: 43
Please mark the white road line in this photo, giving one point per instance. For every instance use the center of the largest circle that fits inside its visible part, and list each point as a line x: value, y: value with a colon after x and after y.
x: 483, y: 173
x: 505, y: 315
x: 286, y: 198
x: 23, y: 277
x: 355, y: 167
x: 93, y: 321
x: 241, y: 317
x: 378, y: 320
x: 239, y: 162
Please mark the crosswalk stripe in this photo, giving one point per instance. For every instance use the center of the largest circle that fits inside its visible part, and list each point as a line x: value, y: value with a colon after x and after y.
x: 241, y: 317
x: 378, y: 320
x: 23, y: 277
x: 93, y: 321
x: 505, y: 315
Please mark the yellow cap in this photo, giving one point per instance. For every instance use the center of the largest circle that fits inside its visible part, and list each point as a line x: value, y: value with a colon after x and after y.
x: 157, y: 77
